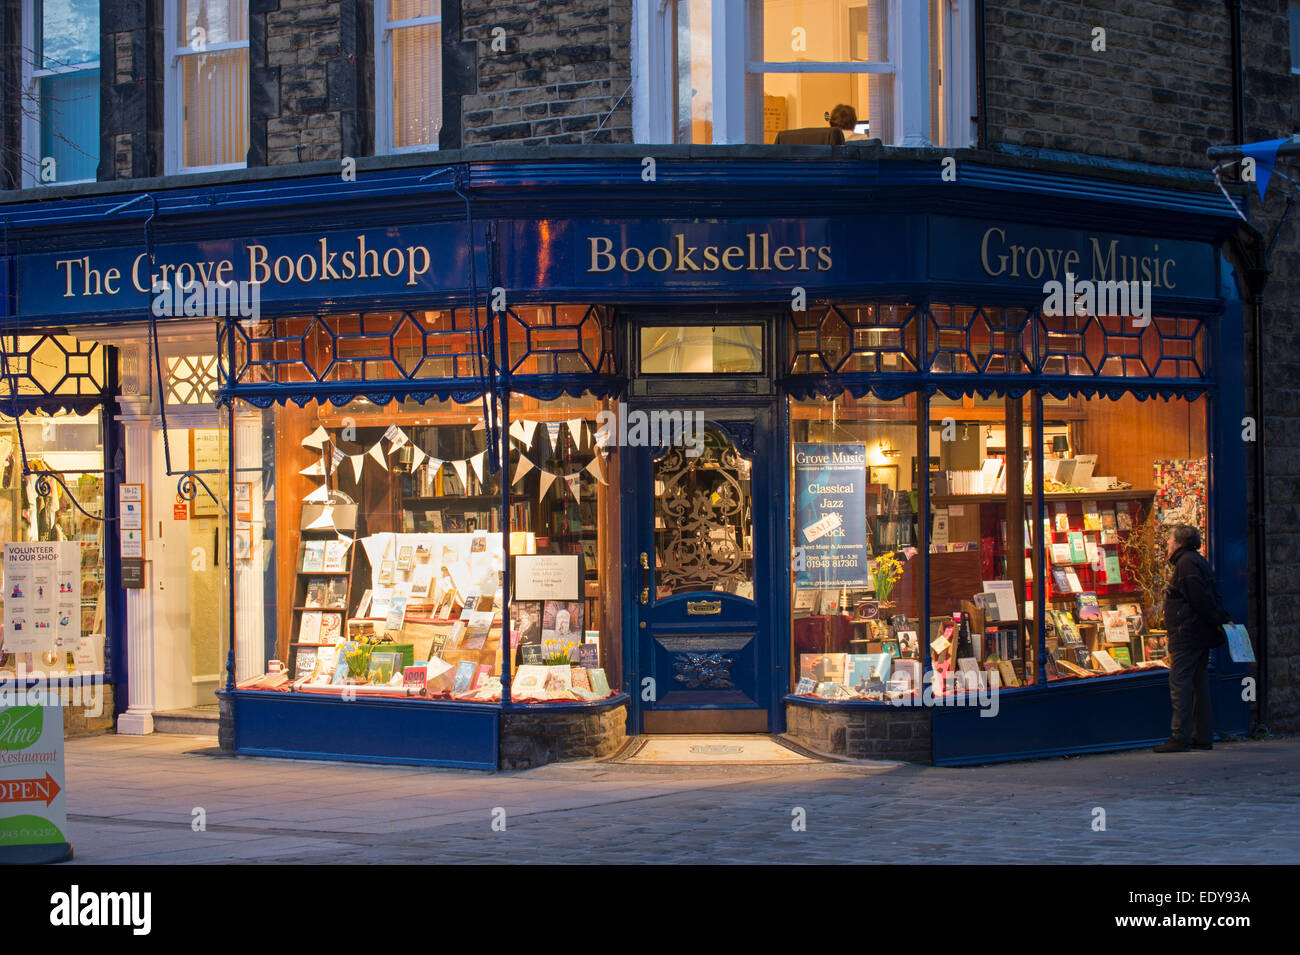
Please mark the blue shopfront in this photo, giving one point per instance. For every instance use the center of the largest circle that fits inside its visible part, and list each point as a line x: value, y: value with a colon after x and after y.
x: 760, y: 446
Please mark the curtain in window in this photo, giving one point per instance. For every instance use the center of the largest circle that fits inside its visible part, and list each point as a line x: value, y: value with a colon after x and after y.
x: 215, y: 91
x: 417, y: 85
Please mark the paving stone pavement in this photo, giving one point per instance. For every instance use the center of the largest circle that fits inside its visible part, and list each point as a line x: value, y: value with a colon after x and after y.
x: 132, y: 800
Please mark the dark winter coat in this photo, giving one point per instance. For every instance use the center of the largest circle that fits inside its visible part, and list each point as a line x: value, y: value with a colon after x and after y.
x: 1194, y: 612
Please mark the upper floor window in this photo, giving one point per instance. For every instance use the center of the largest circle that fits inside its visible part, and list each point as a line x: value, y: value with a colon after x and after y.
x: 61, y: 91
x: 736, y: 71
x: 207, y: 85
x: 408, y: 58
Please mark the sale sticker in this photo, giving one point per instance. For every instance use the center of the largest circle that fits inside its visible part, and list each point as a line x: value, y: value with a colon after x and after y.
x: 822, y: 527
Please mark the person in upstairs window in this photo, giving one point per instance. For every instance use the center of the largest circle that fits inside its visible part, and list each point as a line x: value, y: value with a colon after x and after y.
x: 846, y: 118
x: 1194, y: 617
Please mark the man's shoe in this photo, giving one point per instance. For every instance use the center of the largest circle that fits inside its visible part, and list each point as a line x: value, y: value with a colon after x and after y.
x: 1196, y: 745
x: 1172, y: 746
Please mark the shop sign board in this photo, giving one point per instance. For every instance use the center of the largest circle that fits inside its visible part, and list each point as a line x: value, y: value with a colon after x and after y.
x: 33, y: 811
x: 830, y: 515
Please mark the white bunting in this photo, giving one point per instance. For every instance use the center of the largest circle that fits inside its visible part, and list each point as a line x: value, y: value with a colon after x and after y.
x: 417, y: 455
x: 313, y: 470
x: 336, y: 458
x: 517, y: 431
x: 547, y: 479
x: 530, y: 431
x: 522, y: 470
x: 477, y: 462
x: 462, y: 472
x: 316, y: 440
x: 574, y: 481
x: 325, y: 519
x: 377, y: 452
x: 357, y: 461
x: 434, y: 465
x: 575, y: 430
x: 597, y: 469
x: 319, y: 496
x: 396, y: 436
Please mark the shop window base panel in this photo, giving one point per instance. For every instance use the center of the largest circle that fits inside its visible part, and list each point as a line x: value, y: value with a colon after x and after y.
x: 458, y: 735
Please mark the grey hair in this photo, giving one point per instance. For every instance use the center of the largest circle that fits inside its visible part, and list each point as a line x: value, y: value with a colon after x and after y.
x: 1187, y: 536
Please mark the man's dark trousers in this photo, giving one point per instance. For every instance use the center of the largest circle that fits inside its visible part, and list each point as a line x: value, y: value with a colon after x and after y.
x: 1189, y: 691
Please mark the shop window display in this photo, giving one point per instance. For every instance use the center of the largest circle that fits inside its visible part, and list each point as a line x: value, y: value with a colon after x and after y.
x: 391, y: 558
x: 981, y: 540
x: 37, y: 510
x: 1123, y: 472
x: 856, y: 568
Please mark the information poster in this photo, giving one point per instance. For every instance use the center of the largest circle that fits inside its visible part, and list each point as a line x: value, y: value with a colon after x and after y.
x: 546, y: 577
x: 33, y: 813
x: 31, y: 579
x: 67, y: 607
x: 831, y: 514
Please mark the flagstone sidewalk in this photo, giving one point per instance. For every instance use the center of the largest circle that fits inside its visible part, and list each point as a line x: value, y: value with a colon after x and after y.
x: 141, y: 800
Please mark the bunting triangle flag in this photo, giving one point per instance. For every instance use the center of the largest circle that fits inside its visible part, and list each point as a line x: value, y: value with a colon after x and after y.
x: 575, y: 431
x: 357, y: 460
x: 377, y: 452
x: 530, y: 431
x: 462, y: 472
x: 597, y: 469
x: 477, y: 462
x: 336, y: 458
x: 313, y: 470
x: 417, y: 455
x: 574, y: 481
x: 553, y: 432
x: 434, y: 465
x: 521, y: 471
x: 396, y: 436
x: 323, y: 520
x: 517, y: 430
x: 319, y: 496
x: 316, y: 440
x: 547, y: 479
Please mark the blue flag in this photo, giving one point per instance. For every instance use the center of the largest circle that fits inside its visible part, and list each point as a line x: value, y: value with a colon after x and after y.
x: 1265, y: 156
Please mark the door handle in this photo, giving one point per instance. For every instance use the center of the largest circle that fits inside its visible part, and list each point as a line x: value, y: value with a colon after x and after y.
x: 645, y: 578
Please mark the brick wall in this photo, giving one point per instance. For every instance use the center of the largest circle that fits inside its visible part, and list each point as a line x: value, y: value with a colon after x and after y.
x: 563, y: 77
x: 895, y: 732
x: 131, y: 90
x: 1160, y: 93
x: 310, y: 93
x: 1272, y: 98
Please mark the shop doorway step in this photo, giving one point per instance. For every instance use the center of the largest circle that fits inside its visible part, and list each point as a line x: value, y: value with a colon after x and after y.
x: 195, y: 721
x: 714, y: 750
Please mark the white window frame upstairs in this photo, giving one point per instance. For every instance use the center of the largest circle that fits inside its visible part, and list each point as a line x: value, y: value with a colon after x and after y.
x: 384, y: 72
x: 173, y: 96
x: 30, y: 98
x: 737, y: 79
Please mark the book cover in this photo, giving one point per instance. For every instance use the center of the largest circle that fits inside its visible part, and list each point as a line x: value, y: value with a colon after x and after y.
x: 1073, y: 579
x: 580, y: 678
x: 1123, y: 519
x: 1060, y: 554
x: 599, y: 682
x: 1062, y: 518
x: 327, y: 661
x: 317, y: 588
x: 477, y: 629
x: 1078, y: 554
x: 457, y: 635
x: 414, y: 676
x: 1089, y: 609
x: 1115, y: 627
x: 341, y: 666
x: 588, y: 655
x: 464, y: 675
x: 405, y: 557
x: 528, y: 682
x: 1105, y: 661
x: 336, y: 552
x: 1121, y: 656
x: 530, y: 653
x: 482, y: 675
x: 313, y: 556
x: 304, y: 662
x: 805, y: 686
x: 309, y: 627
x: 559, y: 677
x: 331, y: 628
x: 383, y: 664
x: 1060, y: 583
x: 1113, y: 575
x: 1091, y: 516
x: 805, y: 602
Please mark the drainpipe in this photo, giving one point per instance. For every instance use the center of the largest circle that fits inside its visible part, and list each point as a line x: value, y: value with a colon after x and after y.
x: 1238, y: 72
x: 981, y: 106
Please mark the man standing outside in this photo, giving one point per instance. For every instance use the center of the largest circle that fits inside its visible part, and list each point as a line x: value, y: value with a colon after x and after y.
x: 1194, y: 617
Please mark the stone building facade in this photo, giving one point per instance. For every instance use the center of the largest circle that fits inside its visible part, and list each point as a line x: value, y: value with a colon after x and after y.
x: 1161, y: 89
